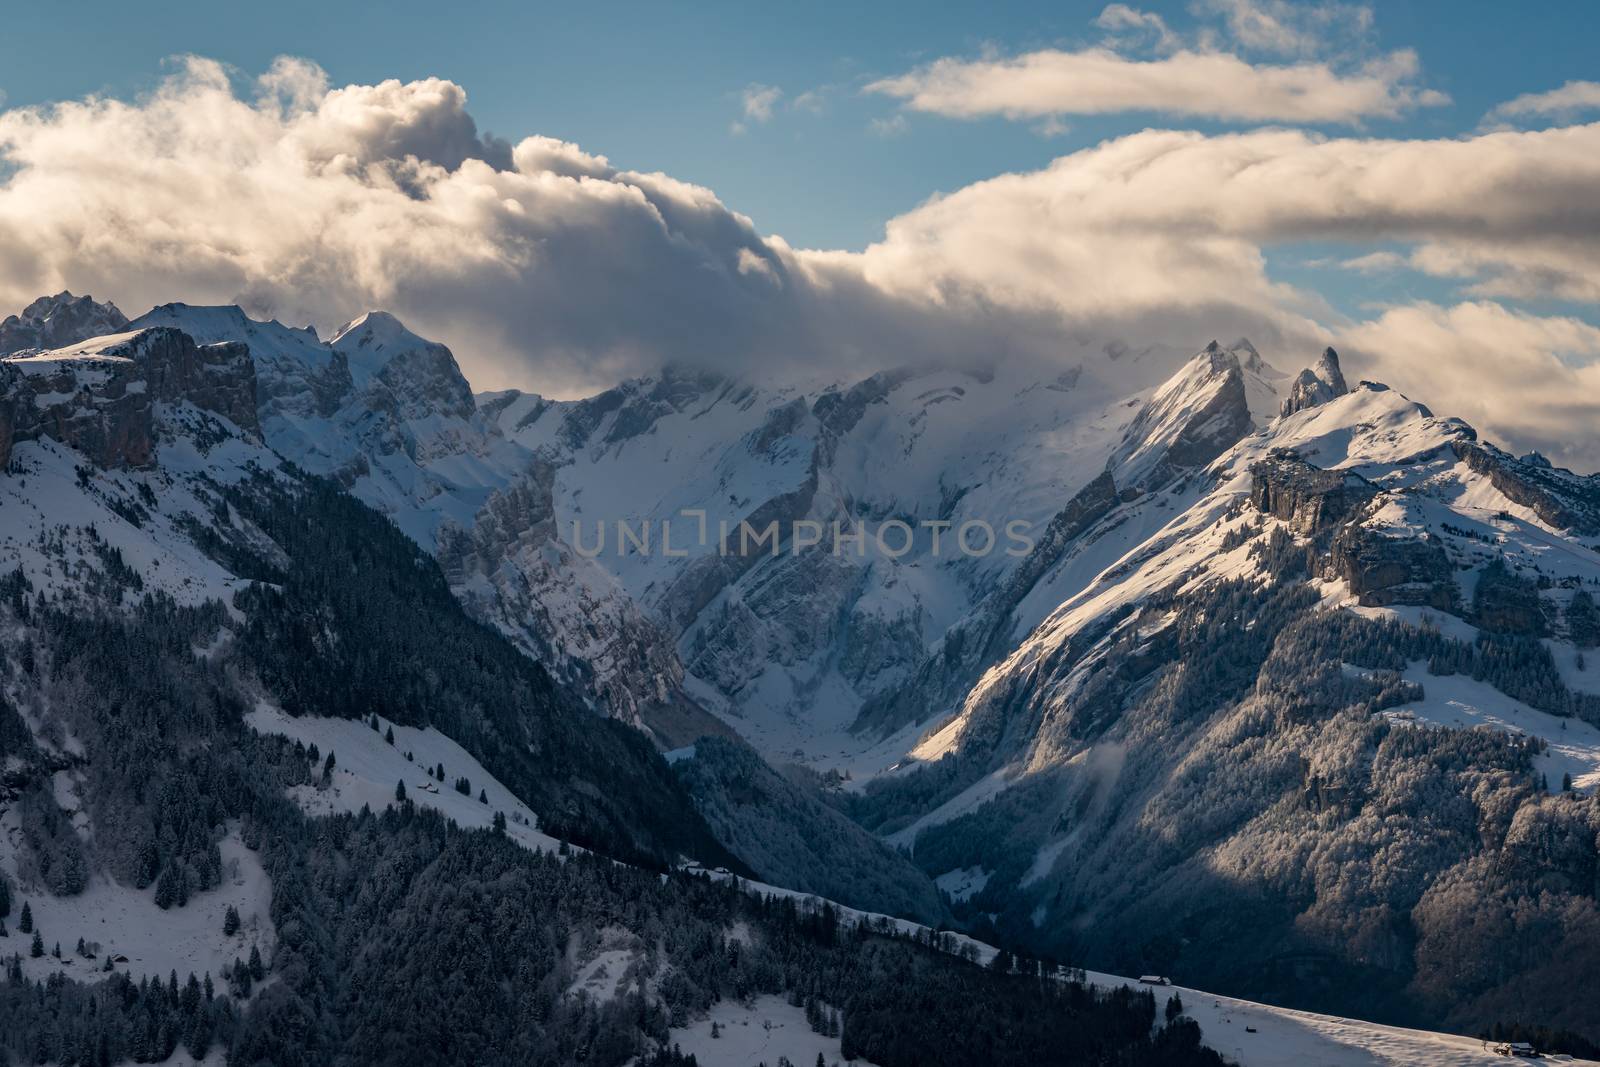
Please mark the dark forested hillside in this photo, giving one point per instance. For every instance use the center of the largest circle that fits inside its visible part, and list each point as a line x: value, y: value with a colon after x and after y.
x: 401, y: 936
x: 363, y: 623
x: 1248, y: 820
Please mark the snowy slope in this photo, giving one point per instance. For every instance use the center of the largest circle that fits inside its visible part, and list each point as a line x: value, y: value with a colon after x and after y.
x: 117, y: 921
x: 790, y: 649
x: 1282, y: 1035
x: 1460, y: 703
x: 367, y: 769
x: 388, y: 415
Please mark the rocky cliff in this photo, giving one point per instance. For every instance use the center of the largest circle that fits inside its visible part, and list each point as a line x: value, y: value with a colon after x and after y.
x: 102, y: 396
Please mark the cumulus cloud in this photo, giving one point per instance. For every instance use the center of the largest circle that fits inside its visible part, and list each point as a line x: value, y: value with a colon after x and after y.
x: 540, y: 263
x: 1099, y: 81
x: 544, y: 265
x: 1168, y: 228
x: 1573, y: 98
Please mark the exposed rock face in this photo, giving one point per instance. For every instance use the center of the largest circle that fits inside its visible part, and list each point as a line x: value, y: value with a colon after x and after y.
x: 99, y: 397
x: 513, y: 571
x: 1393, y: 570
x: 219, y: 378
x: 980, y: 639
x: 1311, y: 500
x: 1564, y: 500
x: 298, y: 376
x: 1316, y: 385
x: 97, y: 405
x: 58, y: 321
x: 1201, y: 412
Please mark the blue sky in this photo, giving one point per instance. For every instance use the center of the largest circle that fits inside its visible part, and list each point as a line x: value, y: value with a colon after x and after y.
x: 656, y: 86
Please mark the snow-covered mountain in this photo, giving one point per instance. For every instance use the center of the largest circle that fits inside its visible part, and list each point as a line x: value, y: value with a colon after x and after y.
x: 389, y: 416
x: 962, y: 482
x: 1174, y: 664
x: 248, y: 735
x: 1304, y: 724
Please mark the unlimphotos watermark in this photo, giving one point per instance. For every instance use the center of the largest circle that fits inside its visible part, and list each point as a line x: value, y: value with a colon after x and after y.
x: 692, y: 532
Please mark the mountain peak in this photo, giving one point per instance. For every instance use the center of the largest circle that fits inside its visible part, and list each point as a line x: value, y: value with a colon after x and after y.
x: 371, y: 340
x: 1316, y: 385
x: 1329, y: 371
x: 57, y: 321
x: 1195, y: 416
x: 373, y: 327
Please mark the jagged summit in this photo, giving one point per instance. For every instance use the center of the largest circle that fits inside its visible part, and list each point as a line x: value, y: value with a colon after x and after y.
x: 1316, y: 385
x: 1329, y: 371
x: 56, y: 321
x: 1198, y: 413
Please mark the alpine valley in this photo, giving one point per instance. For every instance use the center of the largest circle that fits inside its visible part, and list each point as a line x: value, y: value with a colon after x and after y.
x: 349, y: 716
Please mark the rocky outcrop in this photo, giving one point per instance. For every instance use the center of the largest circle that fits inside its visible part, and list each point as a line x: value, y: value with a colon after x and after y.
x: 1313, y: 501
x: 100, y: 398
x: 1562, y: 499
x: 96, y: 405
x: 58, y: 321
x: 1382, y: 570
x: 513, y: 571
x: 1316, y: 385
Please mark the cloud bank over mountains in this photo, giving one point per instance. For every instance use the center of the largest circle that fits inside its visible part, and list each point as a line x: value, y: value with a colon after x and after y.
x: 544, y: 265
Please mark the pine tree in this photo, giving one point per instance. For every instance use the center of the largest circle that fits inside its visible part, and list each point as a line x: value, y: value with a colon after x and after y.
x: 1566, y: 782
x: 5, y: 897
x: 37, y: 948
x: 1174, y: 1007
x: 388, y: 735
x: 258, y: 970
x: 230, y: 921
x: 400, y: 791
x: 483, y: 797
x: 500, y: 823
x: 25, y: 923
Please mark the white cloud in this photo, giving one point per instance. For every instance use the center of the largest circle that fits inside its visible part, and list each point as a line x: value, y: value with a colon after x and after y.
x: 1124, y: 23
x: 1573, y: 98
x: 1376, y: 263
x: 756, y: 102
x: 544, y: 265
x: 812, y: 101
x: 893, y: 126
x: 1531, y: 381
x: 1163, y: 232
x: 1335, y: 78
x: 1285, y: 28
x: 1098, y: 81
